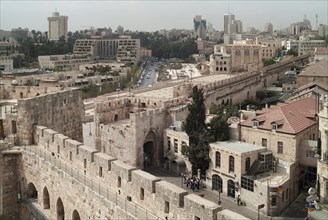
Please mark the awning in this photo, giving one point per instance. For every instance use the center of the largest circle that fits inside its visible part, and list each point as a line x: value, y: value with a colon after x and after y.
x: 169, y: 157
x: 179, y: 161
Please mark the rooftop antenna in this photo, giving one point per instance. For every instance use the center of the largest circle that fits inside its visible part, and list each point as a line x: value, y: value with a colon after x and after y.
x: 316, y: 21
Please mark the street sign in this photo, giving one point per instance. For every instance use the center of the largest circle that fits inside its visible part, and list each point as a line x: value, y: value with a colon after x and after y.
x: 260, y: 206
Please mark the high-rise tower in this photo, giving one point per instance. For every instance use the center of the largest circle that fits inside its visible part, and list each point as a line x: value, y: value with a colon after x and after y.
x: 199, y: 27
x: 57, y: 26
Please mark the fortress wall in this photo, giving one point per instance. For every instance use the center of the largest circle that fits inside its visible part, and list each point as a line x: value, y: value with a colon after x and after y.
x: 117, y: 140
x: 62, y: 111
x: 22, y: 92
x: 156, y: 192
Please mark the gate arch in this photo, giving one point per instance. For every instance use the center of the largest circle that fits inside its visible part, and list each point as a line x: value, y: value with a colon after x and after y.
x: 150, y: 153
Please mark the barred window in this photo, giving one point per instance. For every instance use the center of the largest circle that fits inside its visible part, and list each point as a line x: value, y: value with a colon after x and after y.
x: 247, y: 183
x: 217, y: 159
x: 231, y: 164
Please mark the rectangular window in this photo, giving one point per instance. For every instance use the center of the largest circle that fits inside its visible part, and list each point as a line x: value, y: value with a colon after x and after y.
x: 264, y: 142
x: 100, y: 172
x: 70, y: 155
x: 119, y: 182
x: 247, y: 183
x: 167, y: 207
x: 283, y: 196
x: 176, y: 146
x: 58, y: 149
x: 273, y: 201
x: 168, y: 143
x: 255, y: 123
x: 85, y: 163
x: 280, y: 147
x: 142, y: 194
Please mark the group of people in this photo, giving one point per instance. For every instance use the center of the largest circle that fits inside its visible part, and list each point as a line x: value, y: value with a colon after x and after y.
x: 192, y: 182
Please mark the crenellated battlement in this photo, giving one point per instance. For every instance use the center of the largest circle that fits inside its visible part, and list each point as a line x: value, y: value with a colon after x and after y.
x: 128, y: 181
x: 23, y: 92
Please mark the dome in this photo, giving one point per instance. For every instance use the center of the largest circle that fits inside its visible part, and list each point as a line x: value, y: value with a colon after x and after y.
x: 14, y: 82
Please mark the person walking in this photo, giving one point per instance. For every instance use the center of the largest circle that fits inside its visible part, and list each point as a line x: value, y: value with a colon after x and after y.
x: 238, y: 200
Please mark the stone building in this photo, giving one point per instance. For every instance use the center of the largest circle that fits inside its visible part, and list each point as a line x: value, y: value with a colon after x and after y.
x: 63, y: 62
x: 251, y: 172
x: 173, y: 140
x: 220, y: 63
x: 6, y: 63
x: 322, y: 184
x: 139, y: 121
x: 246, y: 53
x: 290, y: 131
x: 124, y: 49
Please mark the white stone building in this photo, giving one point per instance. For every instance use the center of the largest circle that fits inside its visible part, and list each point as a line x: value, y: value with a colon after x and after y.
x: 220, y: 62
x: 6, y: 63
x: 64, y: 62
x: 322, y: 184
x: 250, y: 171
x: 290, y: 131
x: 57, y: 26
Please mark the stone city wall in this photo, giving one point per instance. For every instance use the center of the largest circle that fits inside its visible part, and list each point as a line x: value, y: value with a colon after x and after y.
x: 22, y: 92
x: 137, y: 188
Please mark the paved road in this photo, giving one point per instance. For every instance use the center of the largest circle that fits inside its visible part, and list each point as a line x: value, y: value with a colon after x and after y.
x: 295, y: 212
x: 149, y: 74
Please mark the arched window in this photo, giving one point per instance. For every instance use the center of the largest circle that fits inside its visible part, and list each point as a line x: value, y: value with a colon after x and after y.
x: 217, y: 183
x: 237, y: 53
x: 247, y: 163
x: 231, y: 164
x: 217, y: 159
x: 46, y: 199
x: 217, y: 68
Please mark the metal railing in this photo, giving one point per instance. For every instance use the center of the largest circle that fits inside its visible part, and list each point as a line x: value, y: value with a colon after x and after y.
x: 128, y: 206
x: 33, y: 209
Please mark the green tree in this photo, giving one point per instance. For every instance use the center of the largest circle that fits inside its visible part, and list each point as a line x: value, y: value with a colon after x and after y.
x: 219, y: 129
x: 198, y: 149
x: 292, y: 52
x: 195, y: 122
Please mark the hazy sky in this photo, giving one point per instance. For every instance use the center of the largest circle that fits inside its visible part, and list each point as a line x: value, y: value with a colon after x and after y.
x: 154, y: 15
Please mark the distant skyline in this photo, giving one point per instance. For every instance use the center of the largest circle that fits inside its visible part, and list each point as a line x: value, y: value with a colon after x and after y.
x: 156, y: 15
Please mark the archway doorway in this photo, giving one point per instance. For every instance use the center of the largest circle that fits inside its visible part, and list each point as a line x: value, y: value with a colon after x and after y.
x: 231, y: 188
x: 60, y: 210
x: 148, y: 152
x: 46, y: 199
x: 217, y: 183
x: 31, y: 192
x: 76, y: 215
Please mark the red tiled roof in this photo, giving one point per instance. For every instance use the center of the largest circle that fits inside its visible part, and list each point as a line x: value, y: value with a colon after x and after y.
x: 290, y: 117
x: 316, y: 69
x: 321, y: 51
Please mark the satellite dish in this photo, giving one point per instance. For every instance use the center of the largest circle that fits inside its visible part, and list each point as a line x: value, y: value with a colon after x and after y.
x: 311, y: 191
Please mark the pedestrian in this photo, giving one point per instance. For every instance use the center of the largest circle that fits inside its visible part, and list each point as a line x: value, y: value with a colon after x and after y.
x: 238, y: 200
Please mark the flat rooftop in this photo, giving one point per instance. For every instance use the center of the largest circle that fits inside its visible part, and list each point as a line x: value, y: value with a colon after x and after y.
x: 236, y: 146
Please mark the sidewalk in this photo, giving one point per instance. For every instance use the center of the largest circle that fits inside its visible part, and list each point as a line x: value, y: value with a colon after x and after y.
x: 296, y: 211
